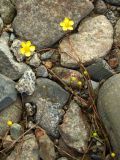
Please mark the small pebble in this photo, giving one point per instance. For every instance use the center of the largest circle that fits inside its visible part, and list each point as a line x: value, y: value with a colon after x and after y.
x: 16, y: 131
x: 42, y: 71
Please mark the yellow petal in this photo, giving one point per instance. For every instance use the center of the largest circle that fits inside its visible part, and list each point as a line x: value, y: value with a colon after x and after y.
x: 62, y: 24
x: 65, y: 29
x: 22, y: 51
x: 32, y: 48
x: 28, y: 43
x: 66, y: 20
x: 23, y: 44
x: 70, y: 28
x: 27, y: 54
x: 71, y: 22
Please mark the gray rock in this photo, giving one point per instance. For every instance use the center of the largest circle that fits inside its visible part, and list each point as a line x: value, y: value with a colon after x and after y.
x: 111, y: 16
x: 1, y: 24
x: 7, y: 11
x: 13, y: 113
x: 26, y: 83
x: 16, y: 130
x: 87, y: 44
x: 100, y: 70
x: 8, y: 93
x: 42, y: 71
x: 49, y: 98
x: 100, y: 7
x: 66, y: 74
x: 28, y: 149
x: 47, y: 55
x: 62, y: 158
x: 117, y: 33
x: 39, y: 21
x: 46, y: 146
x: 95, y: 86
x: 35, y: 61
x: 15, y: 48
x: 75, y: 128
x: 12, y: 37
x: 113, y: 2
x: 8, y: 66
x: 109, y: 109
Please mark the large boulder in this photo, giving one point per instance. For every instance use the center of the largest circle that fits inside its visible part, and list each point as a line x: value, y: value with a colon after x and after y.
x: 94, y: 40
x: 109, y: 109
x: 38, y: 20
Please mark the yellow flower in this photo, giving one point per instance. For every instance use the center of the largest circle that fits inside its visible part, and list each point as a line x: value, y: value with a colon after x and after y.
x: 79, y: 83
x: 67, y: 24
x: 72, y: 79
x: 27, y: 48
x: 94, y: 134
x: 9, y: 123
x: 85, y: 73
x: 113, y: 154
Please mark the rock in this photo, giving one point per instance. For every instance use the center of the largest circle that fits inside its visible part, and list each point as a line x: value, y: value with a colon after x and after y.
x: 62, y: 158
x: 65, y: 75
x: 8, y: 93
x: 117, y: 33
x: 87, y: 44
x: 50, y: 95
x: 28, y: 149
x: 47, y: 55
x: 8, y: 66
x: 15, y: 48
x: 7, y: 141
x: 66, y: 151
x: 16, y: 130
x: 95, y: 86
x: 13, y: 113
x: 52, y: 55
x: 113, y: 2
x: 46, y: 146
x: 75, y: 129
x: 100, y: 7
x: 4, y: 39
x: 109, y: 109
x: 7, y: 11
x: 12, y: 37
x: 100, y: 70
x: 39, y: 21
x: 1, y: 24
x: 111, y: 16
x: 26, y: 83
x: 35, y: 61
x: 42, y: 71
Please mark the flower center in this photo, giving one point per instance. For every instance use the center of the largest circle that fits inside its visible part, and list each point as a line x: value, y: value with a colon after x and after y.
x: 67, y: 25
x: 27, y: 49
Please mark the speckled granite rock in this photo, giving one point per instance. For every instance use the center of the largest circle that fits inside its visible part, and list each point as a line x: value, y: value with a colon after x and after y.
x: 117, y: 33
x: 113, y: 2
x: 109, y: 109
x: 13, y: 113
x: 39, y: 20
x: 8, y: 66
x: 94, y: 40
x: 8, y: 93
x: 7, y: 11
x: 49, y: 98
x: 26, y: 83
x: 28, y: 150
x: 75, y: 129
